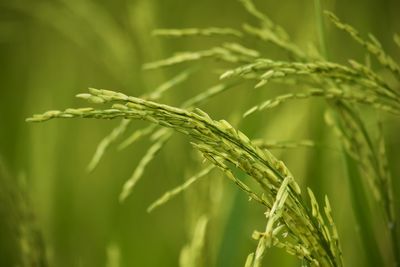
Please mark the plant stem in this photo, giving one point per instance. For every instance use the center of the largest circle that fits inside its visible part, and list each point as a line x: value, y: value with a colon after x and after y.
x: 361, y: 212
x: 320, y: 28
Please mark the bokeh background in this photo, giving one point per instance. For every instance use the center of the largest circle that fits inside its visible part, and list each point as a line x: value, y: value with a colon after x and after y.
x: 52, y: 50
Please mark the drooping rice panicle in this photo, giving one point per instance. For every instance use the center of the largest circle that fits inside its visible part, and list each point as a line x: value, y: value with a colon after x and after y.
x: 372, y: 45
x: 106, y: 142
x: 362, y: 166
x: 219, y: 53
x: 266, y: 22
x: 164, y: 87
x: 268, y: 69
x: 147, y: 158
x: 270, y: 36
x: 240, y: 49
x: 212, y: 31
x: 137, y: 135
x: 220, y: 143
x: 177, y: 190
x: 369, y: 100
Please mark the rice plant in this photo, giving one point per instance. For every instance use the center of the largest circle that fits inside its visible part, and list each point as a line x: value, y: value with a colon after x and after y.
x: 295, y: 220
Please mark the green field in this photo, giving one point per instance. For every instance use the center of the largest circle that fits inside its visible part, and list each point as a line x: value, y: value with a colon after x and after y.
x: 199, y: 133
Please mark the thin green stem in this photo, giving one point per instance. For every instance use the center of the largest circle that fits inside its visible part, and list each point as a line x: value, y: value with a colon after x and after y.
x: 362, y: 214
x: 320, y: 28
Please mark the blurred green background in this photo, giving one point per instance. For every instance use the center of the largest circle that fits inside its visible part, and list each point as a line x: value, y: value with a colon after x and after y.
x: 52, y: 50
